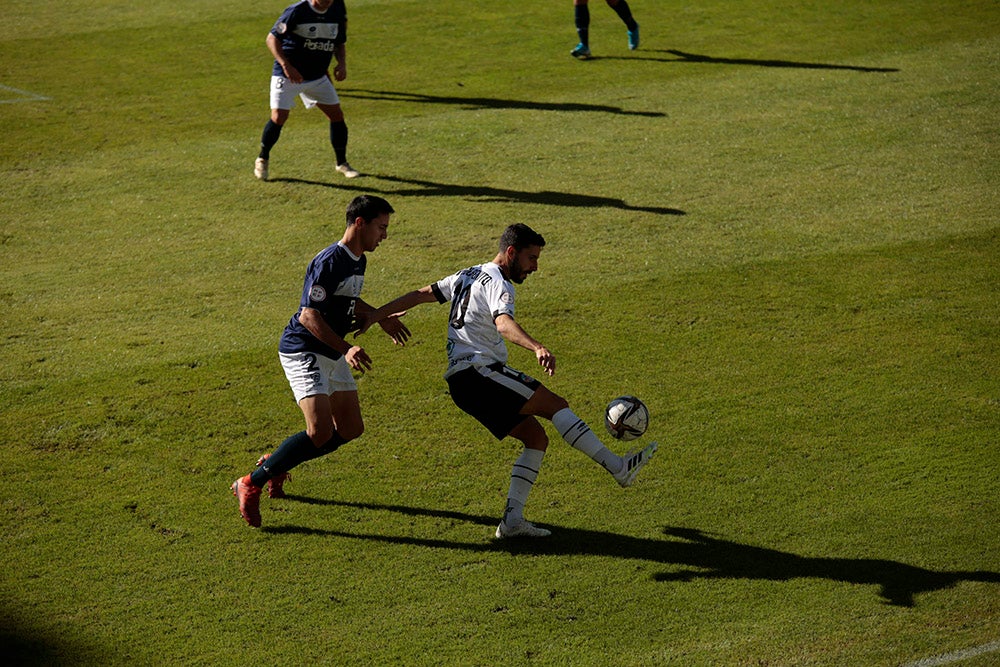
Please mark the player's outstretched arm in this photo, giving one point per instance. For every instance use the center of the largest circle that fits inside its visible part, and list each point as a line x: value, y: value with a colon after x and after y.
x: 392, y: 324
x: 395, y: 308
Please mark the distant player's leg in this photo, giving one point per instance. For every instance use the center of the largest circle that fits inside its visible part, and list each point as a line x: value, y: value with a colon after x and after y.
x: 581, y: 18
x: 338, y: 138
x: 272, y: 132
x: 319, y: 438
x: 270, y: 136
x: 281, y: 102
x: 625, y: 14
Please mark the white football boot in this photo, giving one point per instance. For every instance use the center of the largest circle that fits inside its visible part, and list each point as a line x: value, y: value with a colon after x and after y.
x: 348, y: 171
x: 632, y: 463
x: 522, y: 528
x: 260, y: 169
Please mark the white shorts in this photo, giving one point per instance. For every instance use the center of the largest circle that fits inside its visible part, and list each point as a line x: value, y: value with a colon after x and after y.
x: 317, y: 91
x: 311, y: 374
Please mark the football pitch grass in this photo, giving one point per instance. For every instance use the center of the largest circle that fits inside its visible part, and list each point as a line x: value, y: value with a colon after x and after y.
x: 776, y: 222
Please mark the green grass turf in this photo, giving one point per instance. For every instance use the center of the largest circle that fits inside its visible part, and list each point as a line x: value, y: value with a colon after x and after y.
x: 775, y: 222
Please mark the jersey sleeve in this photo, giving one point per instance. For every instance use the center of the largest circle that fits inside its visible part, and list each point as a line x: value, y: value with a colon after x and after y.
x: 280, y: 27
x: 501, y: 298
x: 444, y: 288
x: 319, y: 287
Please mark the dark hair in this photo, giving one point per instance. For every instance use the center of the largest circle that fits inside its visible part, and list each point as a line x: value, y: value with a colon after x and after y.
x: 520, y: 236
x: 367, y: 207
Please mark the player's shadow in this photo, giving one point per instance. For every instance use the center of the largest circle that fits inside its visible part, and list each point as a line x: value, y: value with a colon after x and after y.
x: 683, y: 57
x: 691, y: 553
x: 411, y: 187
x: 480, y: 103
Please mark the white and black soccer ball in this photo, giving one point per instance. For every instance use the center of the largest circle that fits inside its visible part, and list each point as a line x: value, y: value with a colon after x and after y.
x: 626, y: 418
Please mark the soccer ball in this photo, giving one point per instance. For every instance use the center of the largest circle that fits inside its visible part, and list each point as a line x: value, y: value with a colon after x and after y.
x: 626, y: 418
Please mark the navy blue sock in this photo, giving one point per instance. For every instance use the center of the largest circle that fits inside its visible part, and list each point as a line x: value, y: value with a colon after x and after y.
x: 582, y: 18
x: 338, y: 139
x: 269, y: 138
x: 296, y: 449
x: 625, y: 12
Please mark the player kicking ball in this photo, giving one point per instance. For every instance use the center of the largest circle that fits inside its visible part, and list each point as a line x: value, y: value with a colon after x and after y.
x: 501, y: 398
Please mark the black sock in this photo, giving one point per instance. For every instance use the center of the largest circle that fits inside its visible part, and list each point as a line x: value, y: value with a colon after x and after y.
x: 269, y: 138
x: 338, y: 139
x: 582, y: 18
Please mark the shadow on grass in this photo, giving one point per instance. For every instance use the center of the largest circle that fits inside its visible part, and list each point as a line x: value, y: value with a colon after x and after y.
x: 478, y: 103
x: 410, y: 187
x: 699, y: 555
x: 682, y: 57
x: 27, y: 646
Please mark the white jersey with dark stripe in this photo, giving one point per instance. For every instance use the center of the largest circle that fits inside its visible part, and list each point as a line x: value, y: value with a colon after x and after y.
x: 309, y: 37
x: 478, y: 296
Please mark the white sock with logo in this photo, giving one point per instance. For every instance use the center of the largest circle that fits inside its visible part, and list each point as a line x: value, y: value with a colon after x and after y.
x: 576, y: 432
x: 522, y: 478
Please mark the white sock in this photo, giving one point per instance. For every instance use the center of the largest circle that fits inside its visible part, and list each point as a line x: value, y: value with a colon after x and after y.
x: 576, y: 432
x: 522, y: 478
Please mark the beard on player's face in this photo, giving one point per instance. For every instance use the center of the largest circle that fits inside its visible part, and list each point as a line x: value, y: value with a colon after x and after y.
x: 518, y: 272
x: 516, y: 265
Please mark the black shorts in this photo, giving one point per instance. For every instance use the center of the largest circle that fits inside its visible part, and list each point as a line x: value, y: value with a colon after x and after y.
x: 494, y: 395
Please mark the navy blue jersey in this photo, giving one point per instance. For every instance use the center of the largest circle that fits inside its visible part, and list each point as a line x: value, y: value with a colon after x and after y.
x: 332, y: 286
x: 308, y: 37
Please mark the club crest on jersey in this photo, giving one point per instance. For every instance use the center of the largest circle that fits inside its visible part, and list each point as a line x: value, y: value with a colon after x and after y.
x: 281, y: 28
x: 506, y: 297
x: 317, y: 293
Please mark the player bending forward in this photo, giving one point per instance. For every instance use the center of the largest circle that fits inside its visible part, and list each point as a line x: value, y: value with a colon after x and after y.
x: 505, y: 400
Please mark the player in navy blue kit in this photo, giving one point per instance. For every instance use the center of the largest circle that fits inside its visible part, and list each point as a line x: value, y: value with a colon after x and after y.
x: 304, y: 40
x: 504, y: 400
x: 581, y: 16
x: 318, y: 360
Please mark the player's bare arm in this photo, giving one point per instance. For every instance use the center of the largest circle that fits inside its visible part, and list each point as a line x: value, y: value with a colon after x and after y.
x: 340, y: 55
x: 392, y: 325
x: 395, y: 308
x: 355, y: 355
x: 512, y: 331
x: 274, y: 46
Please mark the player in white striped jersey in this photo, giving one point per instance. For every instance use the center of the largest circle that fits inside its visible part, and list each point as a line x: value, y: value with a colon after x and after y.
x: 504, y: 400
